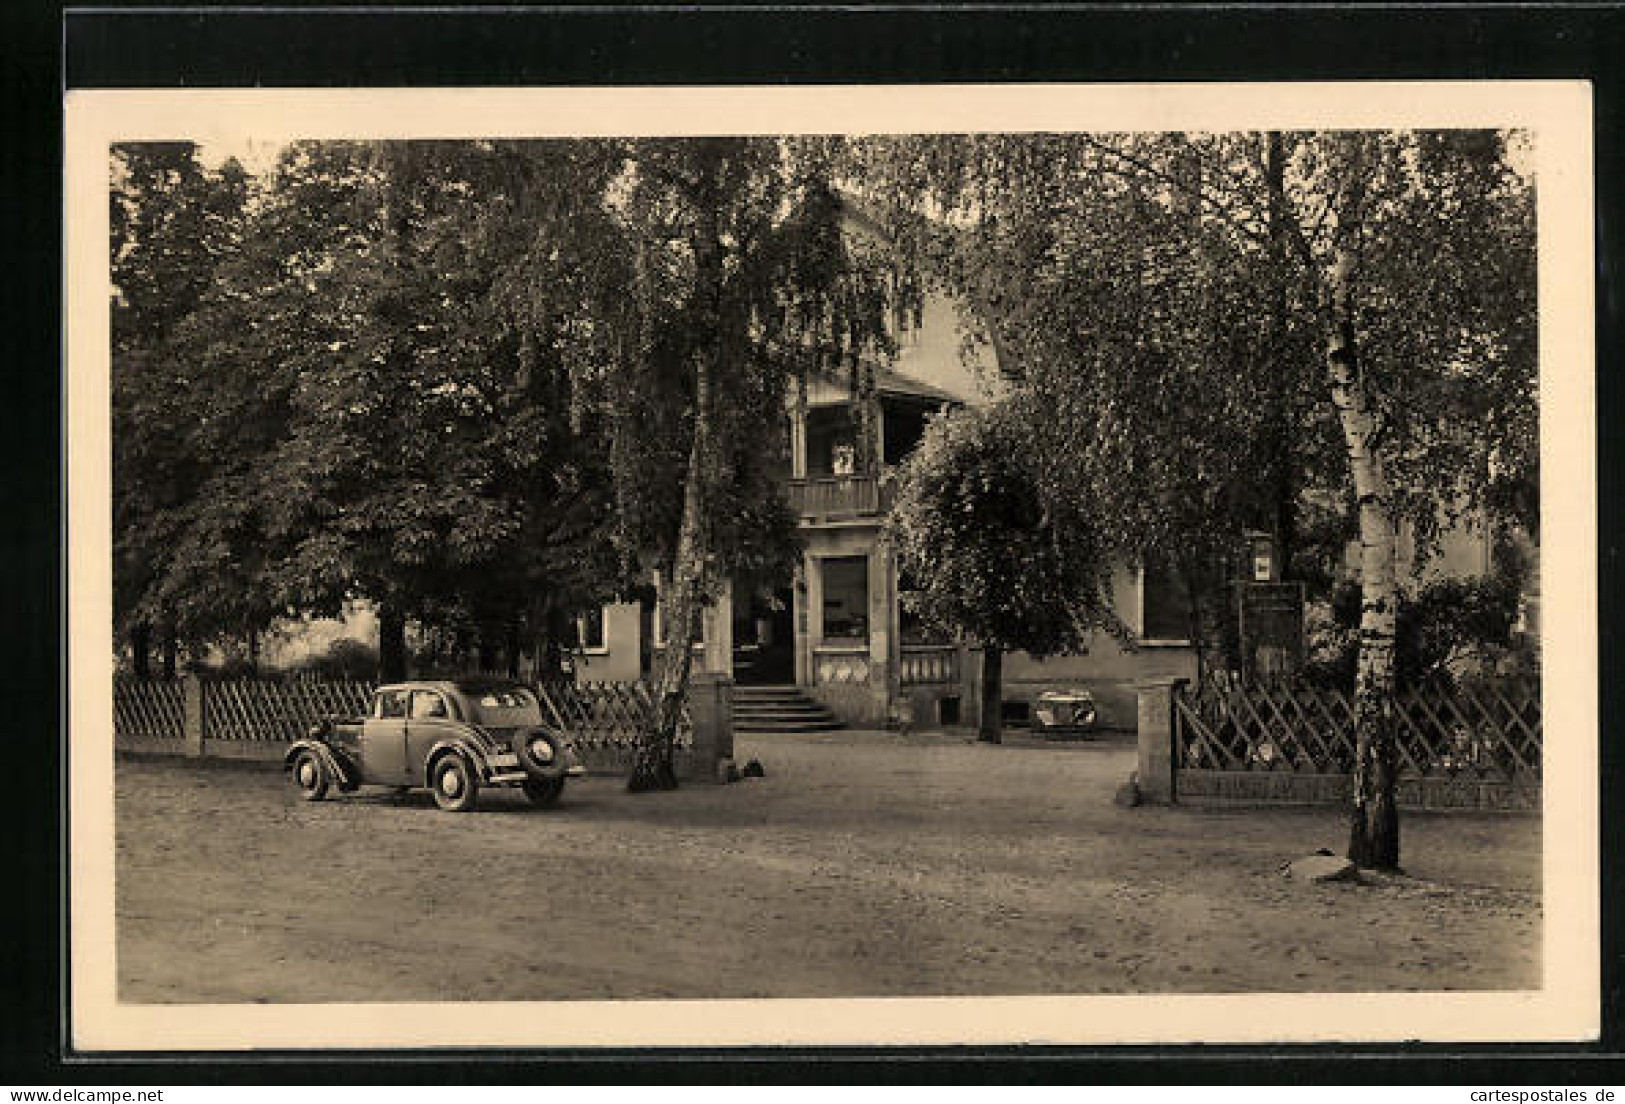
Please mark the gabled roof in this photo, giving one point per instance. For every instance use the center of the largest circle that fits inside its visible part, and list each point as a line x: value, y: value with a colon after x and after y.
x: 932, y: 367
x: 835, y: 388
x: 888, y: 381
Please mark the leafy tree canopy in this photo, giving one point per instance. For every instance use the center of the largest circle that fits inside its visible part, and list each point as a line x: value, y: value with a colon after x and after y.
x: 993, y: 561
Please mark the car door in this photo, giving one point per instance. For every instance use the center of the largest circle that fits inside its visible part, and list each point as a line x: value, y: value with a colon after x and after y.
x: 383, y: 741
x: 430, y: 719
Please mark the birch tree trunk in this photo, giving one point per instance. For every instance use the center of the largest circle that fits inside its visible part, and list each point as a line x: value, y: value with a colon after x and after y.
x: 680, y: 601
x: 682, y: 598
x: 1374, y: 815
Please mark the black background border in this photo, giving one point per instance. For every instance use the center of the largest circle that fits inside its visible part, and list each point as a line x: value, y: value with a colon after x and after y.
x: 47, y: 48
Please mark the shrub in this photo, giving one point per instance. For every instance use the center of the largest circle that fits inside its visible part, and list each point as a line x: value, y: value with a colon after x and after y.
x: 345, y: 658
x: 1444, y: 627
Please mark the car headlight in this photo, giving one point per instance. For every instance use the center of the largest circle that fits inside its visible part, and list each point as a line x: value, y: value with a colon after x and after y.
x: 540, y: 749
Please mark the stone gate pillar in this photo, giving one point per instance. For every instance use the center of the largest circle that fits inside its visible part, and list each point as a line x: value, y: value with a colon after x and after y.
x: 194, y: 715
x: 1159, y: 758
x: 710, y: 708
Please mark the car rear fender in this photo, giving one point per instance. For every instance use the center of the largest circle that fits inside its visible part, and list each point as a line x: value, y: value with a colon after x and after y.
x: 337, y: 765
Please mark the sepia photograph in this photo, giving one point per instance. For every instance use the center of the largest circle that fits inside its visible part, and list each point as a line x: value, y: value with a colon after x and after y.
x: 832, y: 565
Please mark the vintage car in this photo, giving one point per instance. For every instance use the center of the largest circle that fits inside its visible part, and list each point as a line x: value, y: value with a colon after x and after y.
x: 1059, y: 713
x: 451, y: 736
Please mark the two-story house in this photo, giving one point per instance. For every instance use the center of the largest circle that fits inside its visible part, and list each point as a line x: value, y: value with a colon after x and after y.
x: 835, y: 629
x: 838, y: 630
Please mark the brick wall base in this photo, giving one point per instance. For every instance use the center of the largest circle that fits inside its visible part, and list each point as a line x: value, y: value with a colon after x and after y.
x: 1284, y: 787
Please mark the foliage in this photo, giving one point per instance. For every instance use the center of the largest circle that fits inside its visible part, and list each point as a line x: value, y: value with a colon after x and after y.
x: 352, y: 422
x: 1211, y: 325
x: 483, y: 385
x: 739, y: 284
x: 1143, y: 344
x: 994, y: 563
x: 173, y: 225
x: 1159, y: 304
x: 345, y: 658
x: 1446, y: 627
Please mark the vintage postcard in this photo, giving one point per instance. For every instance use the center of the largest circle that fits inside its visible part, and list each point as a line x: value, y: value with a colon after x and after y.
x: 1021, y: 564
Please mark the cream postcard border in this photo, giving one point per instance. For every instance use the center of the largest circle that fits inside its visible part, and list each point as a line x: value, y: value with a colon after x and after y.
x: 1558, y: 113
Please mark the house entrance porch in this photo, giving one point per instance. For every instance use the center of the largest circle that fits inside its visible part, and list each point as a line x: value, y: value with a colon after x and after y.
x: 764, y: 636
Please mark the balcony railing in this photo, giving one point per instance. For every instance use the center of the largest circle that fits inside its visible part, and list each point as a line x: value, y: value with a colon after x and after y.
x: 838, y: 497
x: 927, y: 664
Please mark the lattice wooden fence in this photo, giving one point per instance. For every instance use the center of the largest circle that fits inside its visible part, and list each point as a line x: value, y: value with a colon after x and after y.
x: 606, y: 715
x: 251, y: 710
x: 249, y: 718
x: 1484, y: 729
x: 148, y: 711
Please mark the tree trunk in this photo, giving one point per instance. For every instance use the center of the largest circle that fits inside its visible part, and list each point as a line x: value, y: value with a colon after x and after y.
x: 1374, y: 816
x: 990, y: 730
x: 510, y: 649
x: 680, y: 603
x: 254, y: 653
x: 1196, y: 628
x: 171, y: 652
x: 683, y: 597
x: 391, y: 645
x: 141, y: 650
x: 1280, y: 459
x: 551, y: 642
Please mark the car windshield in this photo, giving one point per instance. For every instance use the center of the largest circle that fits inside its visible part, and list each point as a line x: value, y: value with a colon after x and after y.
x: 506, y: 707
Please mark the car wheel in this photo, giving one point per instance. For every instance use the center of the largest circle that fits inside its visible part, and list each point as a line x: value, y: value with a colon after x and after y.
x: 455, y: 786
x: 544, y: 793
x: 309, y: 776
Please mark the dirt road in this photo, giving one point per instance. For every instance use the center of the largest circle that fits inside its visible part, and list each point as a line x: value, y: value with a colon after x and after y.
x: 862, y: 865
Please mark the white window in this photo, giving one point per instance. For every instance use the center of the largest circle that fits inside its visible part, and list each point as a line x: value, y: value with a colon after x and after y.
x: 590, y: 631
x: 846, y: 597
x: 1165, y: 609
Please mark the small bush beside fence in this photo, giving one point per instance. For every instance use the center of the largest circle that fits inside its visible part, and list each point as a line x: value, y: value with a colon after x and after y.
x: 1476, y: 743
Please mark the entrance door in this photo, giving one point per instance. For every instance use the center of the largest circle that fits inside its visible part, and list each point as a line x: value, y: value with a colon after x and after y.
x: 765, y: 639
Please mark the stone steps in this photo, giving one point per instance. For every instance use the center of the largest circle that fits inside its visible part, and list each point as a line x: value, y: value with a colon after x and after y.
x: 769, y: 709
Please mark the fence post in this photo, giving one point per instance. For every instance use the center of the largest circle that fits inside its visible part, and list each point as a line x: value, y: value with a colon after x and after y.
x: 1159, y: 763
x: 194, y: 717
x: 710, y: 710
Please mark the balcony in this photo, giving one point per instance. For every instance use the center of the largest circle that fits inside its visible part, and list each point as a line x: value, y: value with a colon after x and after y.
x: 839, y: 497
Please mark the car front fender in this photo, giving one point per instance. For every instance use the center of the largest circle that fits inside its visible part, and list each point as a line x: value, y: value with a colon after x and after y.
x: 337, y: 765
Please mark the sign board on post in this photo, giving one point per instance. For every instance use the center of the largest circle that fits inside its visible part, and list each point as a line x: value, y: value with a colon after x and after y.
x: 1270, y: 617
x: 1261, y: 567
x: 1261, y: 551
